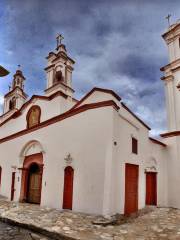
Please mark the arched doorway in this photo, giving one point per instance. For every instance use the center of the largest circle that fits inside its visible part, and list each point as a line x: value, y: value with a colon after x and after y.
x: 68, y: 188
x: 31, y: 182
x: 34, y: 184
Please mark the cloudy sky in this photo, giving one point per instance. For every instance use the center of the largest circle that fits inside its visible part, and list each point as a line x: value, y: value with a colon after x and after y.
x: 116, y: 45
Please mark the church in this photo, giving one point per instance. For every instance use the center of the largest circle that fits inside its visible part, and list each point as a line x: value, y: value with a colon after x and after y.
x: 92, y: 155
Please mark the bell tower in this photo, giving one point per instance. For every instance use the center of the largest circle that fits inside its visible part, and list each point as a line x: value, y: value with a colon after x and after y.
x: 59, y: 70
x: 16, y: 96
x: 171, y: 76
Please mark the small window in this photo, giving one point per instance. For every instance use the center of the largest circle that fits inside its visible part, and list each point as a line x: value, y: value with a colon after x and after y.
x: 33, y: 116
x: 134, y: 145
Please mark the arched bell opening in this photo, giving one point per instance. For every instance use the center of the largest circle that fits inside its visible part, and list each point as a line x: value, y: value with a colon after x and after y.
x: 12, y: 103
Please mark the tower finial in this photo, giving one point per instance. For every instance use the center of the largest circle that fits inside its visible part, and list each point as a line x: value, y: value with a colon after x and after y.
x: 19, y: 66
x: 59, y: 39
x: 168, y: 19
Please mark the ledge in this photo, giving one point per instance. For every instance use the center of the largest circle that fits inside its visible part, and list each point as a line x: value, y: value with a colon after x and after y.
x: 170, y: 134
x: 157, y: 142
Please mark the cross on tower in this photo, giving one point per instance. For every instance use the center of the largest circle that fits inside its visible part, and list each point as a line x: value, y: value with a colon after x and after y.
x: 59, y: 39
x: 168, y: 19
x: 19, y: 66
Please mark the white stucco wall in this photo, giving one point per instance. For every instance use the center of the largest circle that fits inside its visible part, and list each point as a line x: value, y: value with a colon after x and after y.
x: 158, y: 157
x: 173, y: 170
x: 122, y: 154
x: 87, y: 137
x: 99, y: 163
x: 49, y: 109
x: 98, y: 96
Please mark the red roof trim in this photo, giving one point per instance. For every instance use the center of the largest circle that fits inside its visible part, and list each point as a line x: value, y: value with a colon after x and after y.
x: 61, y: 117
x: 134, y: 115
x: 157, y: 142
x: 100, y: 90
x: 170, y: 134
x: 19, y: 112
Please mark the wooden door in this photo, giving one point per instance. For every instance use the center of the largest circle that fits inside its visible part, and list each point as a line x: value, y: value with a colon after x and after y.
x: 151, y: 188
x: 34, y: 185
x: 13, y: 185
x: 131, y: 188
x: 68, y: 188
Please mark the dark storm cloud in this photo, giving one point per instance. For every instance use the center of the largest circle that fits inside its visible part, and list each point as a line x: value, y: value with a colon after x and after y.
x: 136, y: 66
x: 116, y: 44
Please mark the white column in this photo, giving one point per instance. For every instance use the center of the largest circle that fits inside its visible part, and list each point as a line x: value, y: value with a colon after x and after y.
x: 170, y: 103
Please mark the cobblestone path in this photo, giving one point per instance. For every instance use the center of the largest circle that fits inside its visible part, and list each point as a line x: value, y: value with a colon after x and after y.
x: 158, y: 224
x: 8, y: 232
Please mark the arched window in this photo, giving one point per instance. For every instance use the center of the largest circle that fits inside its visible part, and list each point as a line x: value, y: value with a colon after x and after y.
x: 33, y: 116
x: 12, y: 103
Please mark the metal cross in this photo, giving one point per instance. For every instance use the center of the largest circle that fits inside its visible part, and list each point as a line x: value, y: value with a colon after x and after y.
x: 59, y: 39
x: 168, y: 19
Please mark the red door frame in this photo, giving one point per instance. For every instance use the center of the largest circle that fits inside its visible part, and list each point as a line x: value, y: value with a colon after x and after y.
x: 28, y: 161
x: 0, y: 175
x: 68, y: 188
x: 13, y: 185
x: 151, y: 198
x: 127, y: 210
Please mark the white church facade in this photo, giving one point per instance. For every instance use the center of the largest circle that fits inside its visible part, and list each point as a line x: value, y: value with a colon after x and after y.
x: 93, y: 155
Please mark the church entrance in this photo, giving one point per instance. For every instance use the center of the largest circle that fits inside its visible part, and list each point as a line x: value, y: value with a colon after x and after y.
x: 34, y: 184
x: 131, y: 188
x: 68, y: 188
x: 151, y: 188
x: 31, y: 182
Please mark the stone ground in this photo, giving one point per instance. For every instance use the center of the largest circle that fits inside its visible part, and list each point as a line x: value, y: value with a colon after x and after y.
x: 158, y: 223
x: 9, y: 232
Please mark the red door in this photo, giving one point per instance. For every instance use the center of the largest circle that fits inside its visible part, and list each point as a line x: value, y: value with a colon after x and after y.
x: 12, y: 186
x: 131, y: 188
x: 151, y: 188
x: 68, y: 188
x: 0, y: 175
